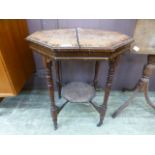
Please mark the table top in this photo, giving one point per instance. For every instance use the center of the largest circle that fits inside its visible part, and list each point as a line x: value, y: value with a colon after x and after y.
x: 144, y: 37
x: 80, y: 39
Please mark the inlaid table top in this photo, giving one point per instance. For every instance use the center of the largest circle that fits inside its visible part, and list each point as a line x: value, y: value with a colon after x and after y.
x: 80, y: 39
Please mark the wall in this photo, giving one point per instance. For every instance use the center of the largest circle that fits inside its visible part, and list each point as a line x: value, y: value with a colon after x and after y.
x: 129, y: 69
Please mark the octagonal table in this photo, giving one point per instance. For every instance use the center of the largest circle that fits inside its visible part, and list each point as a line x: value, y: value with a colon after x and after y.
x: 79, y: 44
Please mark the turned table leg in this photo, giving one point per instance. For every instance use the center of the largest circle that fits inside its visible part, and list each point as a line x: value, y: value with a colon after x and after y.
x: 147, y: 73
x: 59, y: 76
x: 141, y: 86
x: 103, y: 107
x: 49, y: 77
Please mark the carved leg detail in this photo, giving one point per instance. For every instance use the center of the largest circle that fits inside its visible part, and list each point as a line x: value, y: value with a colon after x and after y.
x: 112, y: 67
x: 49, y: 77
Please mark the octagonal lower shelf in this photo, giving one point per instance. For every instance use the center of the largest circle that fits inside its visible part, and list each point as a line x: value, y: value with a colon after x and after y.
x: 78, y: 92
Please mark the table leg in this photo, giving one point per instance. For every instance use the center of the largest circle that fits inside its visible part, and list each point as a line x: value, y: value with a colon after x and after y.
x: 147, y: 73
x: 141, y: 86
x: 103, y: 107
x: 49, y: 77
x: 96, y: 74
x: 59, y: 76
x: 121, y: 108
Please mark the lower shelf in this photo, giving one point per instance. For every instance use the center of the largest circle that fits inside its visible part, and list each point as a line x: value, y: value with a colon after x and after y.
x: 78, y: 92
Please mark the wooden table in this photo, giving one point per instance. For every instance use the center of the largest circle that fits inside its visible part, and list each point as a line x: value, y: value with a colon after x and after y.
x: 144, y: 44
x: 79, y: 44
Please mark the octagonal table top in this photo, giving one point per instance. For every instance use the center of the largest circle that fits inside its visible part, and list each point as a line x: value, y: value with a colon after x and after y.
x: 80, y: 38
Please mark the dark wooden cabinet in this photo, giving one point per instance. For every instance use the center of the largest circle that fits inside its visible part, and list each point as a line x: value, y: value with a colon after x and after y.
x: 16, y: 59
